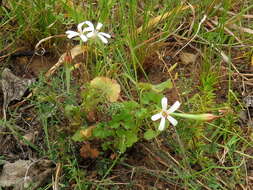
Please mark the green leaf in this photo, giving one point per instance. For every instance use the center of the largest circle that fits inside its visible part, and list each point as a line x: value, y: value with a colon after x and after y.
x: 129, y: 124
x: 157, y: 88
x: 150, y: 134
x: 144, y: 86
x: 162, y: 86
x: 130, y: 105
x: 131, y: 138
x: 70, y: 110
x: 121, y: 145
x: 114, y: 125
x: 149, y: 97
x: 78, y: 137
x: 126, y: 139
x: 120, y: 132
x: 141, y: 113
x: 102, y: 131
x: 122, y: 116
x: 106, y: 145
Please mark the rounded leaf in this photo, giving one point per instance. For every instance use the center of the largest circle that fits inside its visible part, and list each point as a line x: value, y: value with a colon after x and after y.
x: 109, y: 87
x: 150, y: 134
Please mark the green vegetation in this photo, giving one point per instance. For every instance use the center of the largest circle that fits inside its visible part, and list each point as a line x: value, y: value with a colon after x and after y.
x: 93, y: 112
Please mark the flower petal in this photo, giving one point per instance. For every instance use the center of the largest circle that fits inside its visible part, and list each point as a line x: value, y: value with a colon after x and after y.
x: 105, y: 34
x: 172, y: 120
x: 79, y: 27
x: 162, y: 124
x: 88, y: 29
x: 83, y: 37
x: 174, y: 107
x: 99, y: 26
x: 90, y: 25
x: 156, y: 116
x: 164, y: 103
x: 91, y: 34
x: 104, y: 40
x: 71, y: 34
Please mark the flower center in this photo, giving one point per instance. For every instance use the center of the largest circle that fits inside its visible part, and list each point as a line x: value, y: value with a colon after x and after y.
x: 164, y: 114
x: 94, y: 34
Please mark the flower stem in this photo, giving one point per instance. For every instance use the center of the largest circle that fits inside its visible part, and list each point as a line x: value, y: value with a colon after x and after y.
x: 67, y: 75
x: 185, y: 162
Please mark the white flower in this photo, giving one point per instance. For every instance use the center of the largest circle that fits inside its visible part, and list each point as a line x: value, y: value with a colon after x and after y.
x: 166, y: 114
x: 80, y: 33
x: 94, y: 32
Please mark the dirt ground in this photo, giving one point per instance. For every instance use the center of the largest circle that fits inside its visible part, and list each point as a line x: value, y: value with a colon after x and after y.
x: 142, y: 163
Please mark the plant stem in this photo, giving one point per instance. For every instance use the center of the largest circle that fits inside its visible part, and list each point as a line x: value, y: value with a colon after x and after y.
x: 109, y: 170
x: 186, y: 164
x: 68, y: 77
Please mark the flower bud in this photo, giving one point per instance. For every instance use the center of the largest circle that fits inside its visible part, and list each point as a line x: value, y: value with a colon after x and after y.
x: 200, y: 117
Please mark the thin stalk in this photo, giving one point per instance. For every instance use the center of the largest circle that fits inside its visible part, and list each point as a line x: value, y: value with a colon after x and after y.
x: 185, y: 163
x: 68, y: 76
x: 109, y: 170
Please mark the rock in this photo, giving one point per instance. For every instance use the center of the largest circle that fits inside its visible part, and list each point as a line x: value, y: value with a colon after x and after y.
x: 24, y: 174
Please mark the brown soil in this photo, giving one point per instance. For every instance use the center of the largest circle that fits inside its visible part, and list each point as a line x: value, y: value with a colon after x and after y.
x: 142, y: 164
